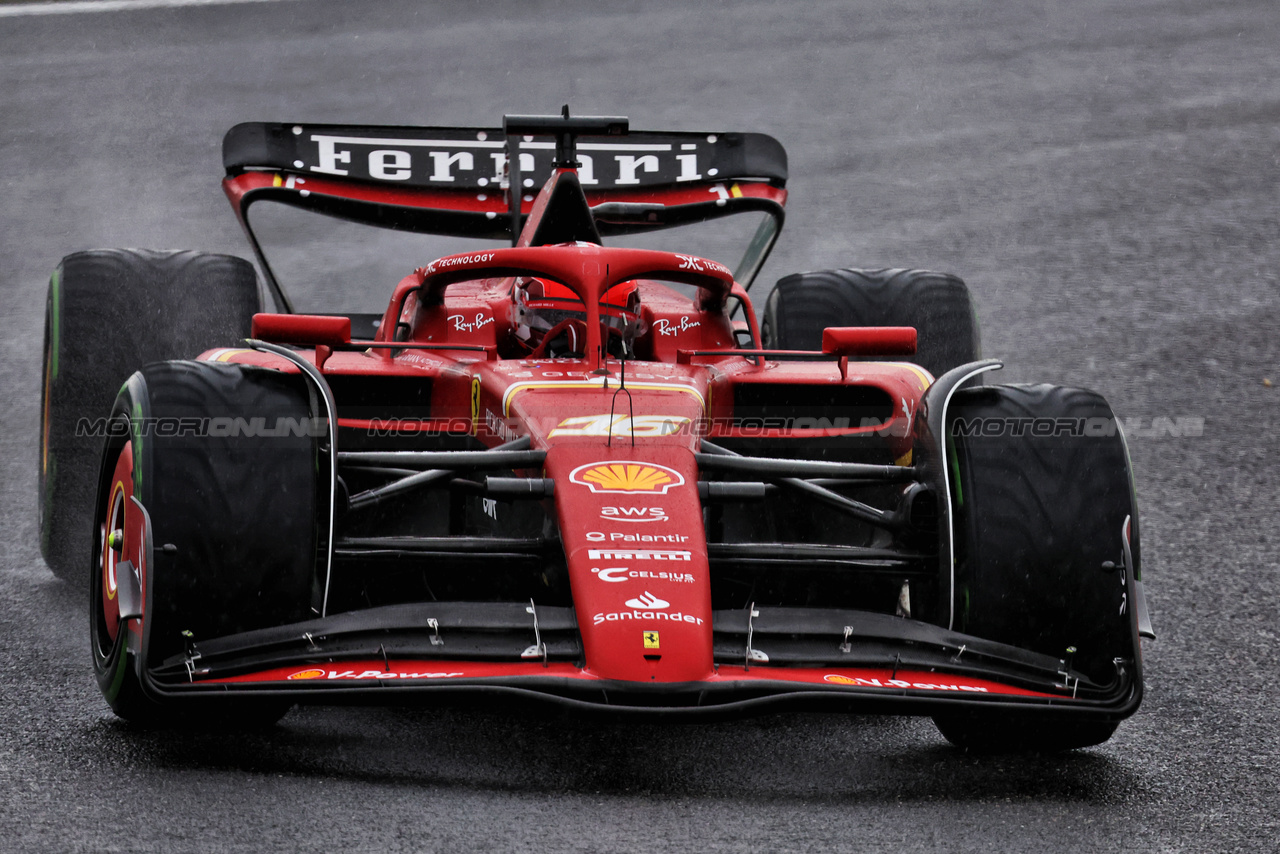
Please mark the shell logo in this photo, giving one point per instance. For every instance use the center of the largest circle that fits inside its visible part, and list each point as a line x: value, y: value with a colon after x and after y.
x: 840, y: 680
x: 308, y: 674
x: 626, y: 476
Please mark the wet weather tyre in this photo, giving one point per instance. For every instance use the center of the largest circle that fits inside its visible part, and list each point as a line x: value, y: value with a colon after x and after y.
x: 1006, y: 734
x: 109, y: 312
x: 1041, y: 488
x: 938, y: 305
x: 225, y: 462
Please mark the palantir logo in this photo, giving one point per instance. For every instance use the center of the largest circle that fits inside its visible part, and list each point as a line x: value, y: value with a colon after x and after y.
x: 647, y: 602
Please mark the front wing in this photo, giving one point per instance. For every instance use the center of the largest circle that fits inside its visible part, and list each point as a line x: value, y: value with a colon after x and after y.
x: 765, y: 659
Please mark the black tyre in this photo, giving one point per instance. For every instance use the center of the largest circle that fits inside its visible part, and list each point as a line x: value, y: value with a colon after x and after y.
x: 1042, y: 493
x: 994, y: 733
x: 224, y: 461
x: 936, y: 304
x: 109, y: 312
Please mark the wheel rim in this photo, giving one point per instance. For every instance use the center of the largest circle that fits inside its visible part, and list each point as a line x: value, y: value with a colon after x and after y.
x: 115, y: 541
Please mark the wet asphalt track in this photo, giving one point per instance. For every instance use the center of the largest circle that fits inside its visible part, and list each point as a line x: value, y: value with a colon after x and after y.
x: 1104, y: 174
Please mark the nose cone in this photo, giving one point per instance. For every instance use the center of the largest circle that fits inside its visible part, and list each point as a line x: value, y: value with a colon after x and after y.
x: 631, y: 523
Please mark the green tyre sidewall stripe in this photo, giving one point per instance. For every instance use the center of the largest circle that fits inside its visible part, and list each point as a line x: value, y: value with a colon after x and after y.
x: 122, y: 664
x: 55, y: 325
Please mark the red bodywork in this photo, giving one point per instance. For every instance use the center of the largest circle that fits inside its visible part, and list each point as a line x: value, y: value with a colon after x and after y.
x: 626, y: 501
x: 625, y: 448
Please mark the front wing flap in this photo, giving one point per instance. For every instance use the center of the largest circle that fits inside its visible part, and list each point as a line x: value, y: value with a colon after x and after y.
x: 806, y: 658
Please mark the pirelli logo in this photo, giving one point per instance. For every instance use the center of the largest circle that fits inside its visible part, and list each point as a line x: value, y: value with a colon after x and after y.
x: 638, y: 554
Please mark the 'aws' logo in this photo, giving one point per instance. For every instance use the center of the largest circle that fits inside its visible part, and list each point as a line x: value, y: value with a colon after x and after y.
x: 634, y: 514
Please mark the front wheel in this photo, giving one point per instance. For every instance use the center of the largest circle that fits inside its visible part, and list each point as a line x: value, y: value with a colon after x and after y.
x: 120, y: 564
x: 1010, y: 733
x: 1044, y: 518
x: 221, y: 460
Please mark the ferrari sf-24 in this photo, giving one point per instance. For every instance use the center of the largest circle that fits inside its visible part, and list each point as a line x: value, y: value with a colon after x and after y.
x: 567, y: 465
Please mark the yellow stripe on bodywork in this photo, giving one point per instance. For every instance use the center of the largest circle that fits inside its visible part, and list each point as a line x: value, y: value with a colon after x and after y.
x: 593, y: 382
x: 225, y: 355
x: 926, y: 378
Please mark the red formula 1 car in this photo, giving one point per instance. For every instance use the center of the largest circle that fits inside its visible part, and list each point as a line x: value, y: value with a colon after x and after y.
x: 568, y: 470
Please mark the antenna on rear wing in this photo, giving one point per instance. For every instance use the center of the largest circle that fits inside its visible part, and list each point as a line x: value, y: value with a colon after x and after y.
x: 566, y: 130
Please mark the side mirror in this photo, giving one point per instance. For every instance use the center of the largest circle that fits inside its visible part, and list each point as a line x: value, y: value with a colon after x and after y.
x: 303, y: 329
x: 845, y: 341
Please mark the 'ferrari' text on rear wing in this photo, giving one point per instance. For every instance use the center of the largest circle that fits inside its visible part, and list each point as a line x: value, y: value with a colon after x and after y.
x: 476, y: 158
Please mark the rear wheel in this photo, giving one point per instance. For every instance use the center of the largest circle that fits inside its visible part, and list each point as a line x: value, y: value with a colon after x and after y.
x: 1043, y: 498
x: 109, y: 312
x: 223, y: 459
x: 936, y: 304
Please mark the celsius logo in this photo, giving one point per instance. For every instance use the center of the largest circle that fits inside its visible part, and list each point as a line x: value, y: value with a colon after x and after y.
x: 622, y: 573
x: 634, y: 514
x: 626, y: 476
x: 647, y: 602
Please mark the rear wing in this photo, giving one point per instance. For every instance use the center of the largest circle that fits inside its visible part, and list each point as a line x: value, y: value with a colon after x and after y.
x: 453, y: 158
x: 456, y: 181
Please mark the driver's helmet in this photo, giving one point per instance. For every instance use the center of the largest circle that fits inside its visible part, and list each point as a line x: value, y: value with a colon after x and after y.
x: 542, y: 305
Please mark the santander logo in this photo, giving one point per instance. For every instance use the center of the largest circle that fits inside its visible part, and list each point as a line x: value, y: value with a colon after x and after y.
x: 647, y: 602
